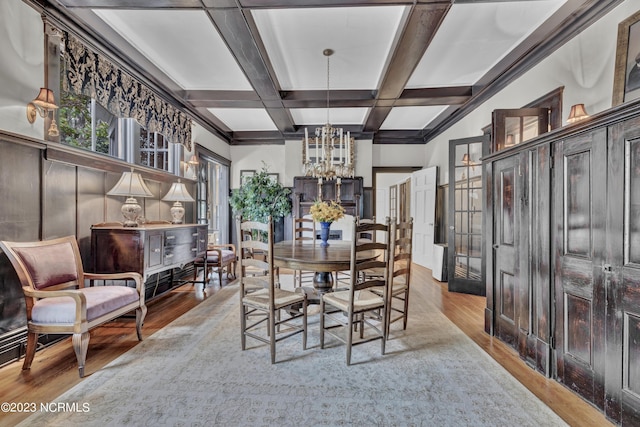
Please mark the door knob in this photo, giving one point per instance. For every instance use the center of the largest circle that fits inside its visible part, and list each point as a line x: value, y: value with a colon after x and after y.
x: 496, y: 246
x: 451, y: 227
x: 607, y: 268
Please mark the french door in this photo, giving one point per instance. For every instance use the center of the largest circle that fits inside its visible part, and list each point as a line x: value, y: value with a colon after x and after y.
x: 465, y: 261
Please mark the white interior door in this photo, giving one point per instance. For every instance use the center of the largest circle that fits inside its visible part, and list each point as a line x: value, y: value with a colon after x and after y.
x: 423, y: 211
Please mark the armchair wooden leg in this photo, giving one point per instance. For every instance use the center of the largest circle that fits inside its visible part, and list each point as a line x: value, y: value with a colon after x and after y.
x: 32, y: 344
x: 140, y: 315
x: 80, y: 346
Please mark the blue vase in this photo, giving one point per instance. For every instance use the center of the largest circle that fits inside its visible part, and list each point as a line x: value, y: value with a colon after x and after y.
x: 324, y: 234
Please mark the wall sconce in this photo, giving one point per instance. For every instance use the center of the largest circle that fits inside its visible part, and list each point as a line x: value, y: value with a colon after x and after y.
x: 178, y: 193
x: 192, y: 166
x: 131, y: 185
x: 577, y: 113
x: 42, y: 105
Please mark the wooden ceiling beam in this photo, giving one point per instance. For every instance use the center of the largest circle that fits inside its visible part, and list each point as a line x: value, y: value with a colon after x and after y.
x: 249, y: 52
x: 420, y: 28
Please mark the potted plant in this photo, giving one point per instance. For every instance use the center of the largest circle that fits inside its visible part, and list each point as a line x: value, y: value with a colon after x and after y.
x: 260, y: 197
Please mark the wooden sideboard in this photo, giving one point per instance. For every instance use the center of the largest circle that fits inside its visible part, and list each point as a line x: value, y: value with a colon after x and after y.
x: 305, y: 192
x: 149, y: 249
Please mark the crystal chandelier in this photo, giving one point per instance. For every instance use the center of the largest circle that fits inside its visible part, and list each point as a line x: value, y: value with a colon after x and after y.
x: 332, y: 153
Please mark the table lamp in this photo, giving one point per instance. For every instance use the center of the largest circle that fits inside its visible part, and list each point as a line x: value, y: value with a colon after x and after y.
x: 130, y: 185
x: 178, y: 193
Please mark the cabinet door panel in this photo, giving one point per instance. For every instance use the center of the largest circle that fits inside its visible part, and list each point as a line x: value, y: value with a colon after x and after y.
x: 505, y: 254
x: 623, y: 275
x: 578, y: 185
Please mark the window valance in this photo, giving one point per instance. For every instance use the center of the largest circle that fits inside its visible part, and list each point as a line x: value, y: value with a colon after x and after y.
x: 90, y: 74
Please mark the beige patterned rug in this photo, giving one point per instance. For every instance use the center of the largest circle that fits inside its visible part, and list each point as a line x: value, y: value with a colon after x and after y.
x: 193, y: 373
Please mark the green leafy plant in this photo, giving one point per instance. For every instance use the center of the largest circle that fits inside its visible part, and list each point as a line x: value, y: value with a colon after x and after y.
x: 260, y: 196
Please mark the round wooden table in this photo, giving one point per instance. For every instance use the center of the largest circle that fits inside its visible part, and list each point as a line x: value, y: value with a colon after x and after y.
x: 301, y: 255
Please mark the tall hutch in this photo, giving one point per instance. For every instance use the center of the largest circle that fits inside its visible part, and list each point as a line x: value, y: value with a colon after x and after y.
x: 562, y: 214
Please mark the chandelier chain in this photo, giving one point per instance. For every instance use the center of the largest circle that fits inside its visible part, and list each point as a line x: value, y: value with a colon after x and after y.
x: 328, y: 74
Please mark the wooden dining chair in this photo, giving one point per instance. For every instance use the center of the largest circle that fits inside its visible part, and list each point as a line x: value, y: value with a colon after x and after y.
x: 304, y: 230
x: 400, y: 275
x: 267, y: 313
x: 359, y: 309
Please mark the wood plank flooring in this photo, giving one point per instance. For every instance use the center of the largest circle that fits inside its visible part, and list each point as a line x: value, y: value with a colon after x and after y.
x: 54, y: 369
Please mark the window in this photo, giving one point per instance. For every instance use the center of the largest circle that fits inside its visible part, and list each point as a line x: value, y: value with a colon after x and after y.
x: 84, y: 123
x: 154, y: 150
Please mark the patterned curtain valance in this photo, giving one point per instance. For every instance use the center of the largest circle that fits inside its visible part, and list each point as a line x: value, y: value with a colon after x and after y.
x: 88, y: 73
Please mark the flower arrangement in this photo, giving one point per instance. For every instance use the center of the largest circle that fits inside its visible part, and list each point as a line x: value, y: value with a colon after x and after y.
x: 326, y: 212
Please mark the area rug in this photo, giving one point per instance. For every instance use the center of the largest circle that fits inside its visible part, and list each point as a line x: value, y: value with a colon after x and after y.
x: 193, y: 373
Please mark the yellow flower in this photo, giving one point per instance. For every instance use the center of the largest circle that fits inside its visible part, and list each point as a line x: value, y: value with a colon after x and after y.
x: 326, y: 212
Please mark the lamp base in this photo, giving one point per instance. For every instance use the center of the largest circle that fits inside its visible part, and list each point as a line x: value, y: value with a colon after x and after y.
x: 131, y: 211
x: 177, y: 213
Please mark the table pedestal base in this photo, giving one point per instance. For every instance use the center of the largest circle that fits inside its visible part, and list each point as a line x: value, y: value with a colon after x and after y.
x: 323, y: 281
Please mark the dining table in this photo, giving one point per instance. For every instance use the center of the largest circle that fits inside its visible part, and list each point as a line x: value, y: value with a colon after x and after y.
x: 324, y: 261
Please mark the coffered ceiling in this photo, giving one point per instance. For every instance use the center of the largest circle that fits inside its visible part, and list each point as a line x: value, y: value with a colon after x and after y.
x: 254, y: 72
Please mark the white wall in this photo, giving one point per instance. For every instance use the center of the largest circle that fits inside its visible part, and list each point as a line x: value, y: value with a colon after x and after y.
x: 249, y: 157
x: 21, y: 68
x: 584, y: 66
x: 201, y: 136
x: 287, y: 159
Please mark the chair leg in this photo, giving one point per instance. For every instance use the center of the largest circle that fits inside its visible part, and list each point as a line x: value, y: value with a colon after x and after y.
x: 220, y: 275
x: 140, y: 315
x: 406, y: 309
x: 350, y: 337
x: 80, y: 346
x: 243, y: 325
x: 272, y: 335
x: 304, y: 324
x: 32, y: 344
x: 321, y: 323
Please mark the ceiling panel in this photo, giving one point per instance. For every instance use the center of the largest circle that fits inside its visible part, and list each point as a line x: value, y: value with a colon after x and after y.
x: 361, y: 38
x: 411, y: 117
x: 244, y: 119
x: 474, y: 37
x: 337, y: 116
x: 182, y: 43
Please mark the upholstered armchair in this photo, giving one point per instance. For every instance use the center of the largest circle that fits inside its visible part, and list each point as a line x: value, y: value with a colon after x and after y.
x: 58, y: 300
x: 218, y: 259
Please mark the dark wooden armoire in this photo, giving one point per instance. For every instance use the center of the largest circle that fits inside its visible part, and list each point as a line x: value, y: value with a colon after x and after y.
x: 563, y: 256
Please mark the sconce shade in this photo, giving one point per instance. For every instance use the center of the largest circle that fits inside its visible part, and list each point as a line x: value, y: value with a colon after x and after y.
x: 130, y: 185
x: 178, y: 193
x: 43, y: 104
x: 577, y: 113
x: 465, y: 159
x: 193, y: 160
x: 45, y: 99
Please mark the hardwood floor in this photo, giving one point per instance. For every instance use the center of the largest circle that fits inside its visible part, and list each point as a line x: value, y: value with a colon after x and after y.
x: 54, y: 369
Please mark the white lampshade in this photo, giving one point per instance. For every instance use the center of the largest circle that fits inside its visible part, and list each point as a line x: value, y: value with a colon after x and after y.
x: 130, y: 185
x: 178, y: 193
